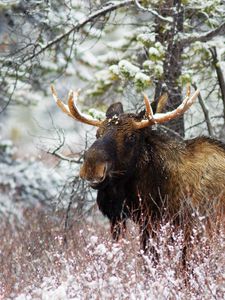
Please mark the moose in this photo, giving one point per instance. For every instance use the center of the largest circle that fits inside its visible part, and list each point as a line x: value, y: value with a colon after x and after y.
x: 142, y: 173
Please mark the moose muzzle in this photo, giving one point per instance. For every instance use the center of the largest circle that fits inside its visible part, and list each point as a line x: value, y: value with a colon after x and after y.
x: 95, y: 167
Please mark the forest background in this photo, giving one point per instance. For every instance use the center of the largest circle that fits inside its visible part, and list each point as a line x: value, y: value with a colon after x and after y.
x: 111, y: 51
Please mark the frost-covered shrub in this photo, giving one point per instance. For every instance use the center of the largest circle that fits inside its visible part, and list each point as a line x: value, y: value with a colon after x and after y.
x: 91, y: 266
x: 24, y: 183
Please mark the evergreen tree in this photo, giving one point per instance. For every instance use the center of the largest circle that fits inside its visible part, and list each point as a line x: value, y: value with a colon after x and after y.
x: 115, y: 49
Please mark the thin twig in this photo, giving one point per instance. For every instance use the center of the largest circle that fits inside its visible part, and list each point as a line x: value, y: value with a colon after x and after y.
x: 205, y: 112
x: 79, y: 25
x: 61, y: 139
x: 65, y: 158
x: 204, y: 37
x: 153, y: 12
x: 202, y: 122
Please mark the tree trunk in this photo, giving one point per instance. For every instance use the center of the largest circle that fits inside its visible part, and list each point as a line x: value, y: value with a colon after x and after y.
x: 172, y: 66
x: 220, y: 76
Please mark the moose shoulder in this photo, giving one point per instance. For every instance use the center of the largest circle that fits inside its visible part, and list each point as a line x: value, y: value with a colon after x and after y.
x: 145, y: 175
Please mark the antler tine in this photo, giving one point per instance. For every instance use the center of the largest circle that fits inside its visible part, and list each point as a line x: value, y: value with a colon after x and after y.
x: 61, y: 105
x: 72, y: 110
x: 188, y: 90
x: 149, y: 112
x: 76, y: 112
x: 164, y: 117
x: 181, y: 109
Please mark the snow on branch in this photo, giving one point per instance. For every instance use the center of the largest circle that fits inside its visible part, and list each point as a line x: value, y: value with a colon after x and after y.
x: 101, y: 12
x: 153, y: 12
x: 204, y: 37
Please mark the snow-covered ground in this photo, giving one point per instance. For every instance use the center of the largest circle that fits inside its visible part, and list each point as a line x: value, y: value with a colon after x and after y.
x: 37, y: 262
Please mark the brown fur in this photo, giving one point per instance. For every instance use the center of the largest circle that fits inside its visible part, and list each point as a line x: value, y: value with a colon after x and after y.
x: 150, y: 176
x: 196, y: 170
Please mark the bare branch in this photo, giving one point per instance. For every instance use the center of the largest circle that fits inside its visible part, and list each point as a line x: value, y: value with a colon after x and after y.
x: 205, y: 112
x: 63, y: 157
x: 153, y: 12
x: 106, y: 9
x: 202, y: 122
x: 204, y: 37
x: 55, y: 152
x: 11, y: 94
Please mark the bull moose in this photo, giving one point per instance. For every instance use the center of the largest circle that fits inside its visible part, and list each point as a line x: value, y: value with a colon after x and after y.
x: 144, y: 174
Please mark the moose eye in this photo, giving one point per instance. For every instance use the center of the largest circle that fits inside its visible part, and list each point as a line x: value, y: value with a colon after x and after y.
x: 130, y: 139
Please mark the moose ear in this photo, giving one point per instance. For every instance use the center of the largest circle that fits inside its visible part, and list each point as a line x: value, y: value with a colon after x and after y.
x: 114, y: 109
x: 158, y: 105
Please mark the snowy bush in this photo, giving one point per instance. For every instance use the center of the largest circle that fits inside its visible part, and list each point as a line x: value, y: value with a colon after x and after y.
x: 90, y: 266
x: 24, y: 183
x: 30, y: 183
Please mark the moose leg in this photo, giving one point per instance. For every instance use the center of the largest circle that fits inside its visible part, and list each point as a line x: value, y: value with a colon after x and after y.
x: 118, y: 227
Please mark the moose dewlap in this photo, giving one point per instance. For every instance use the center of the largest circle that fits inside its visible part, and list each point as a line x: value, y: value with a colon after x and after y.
x: 145, y: 175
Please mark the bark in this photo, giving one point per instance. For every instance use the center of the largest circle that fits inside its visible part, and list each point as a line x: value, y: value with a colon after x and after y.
x: 172, y: 62
x: 220, y: 76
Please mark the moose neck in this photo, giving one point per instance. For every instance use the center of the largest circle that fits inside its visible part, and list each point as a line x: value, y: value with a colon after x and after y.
x: 159, y: 150
x: 159, y: 159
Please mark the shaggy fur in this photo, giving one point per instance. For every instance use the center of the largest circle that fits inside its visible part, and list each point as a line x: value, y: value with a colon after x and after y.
x: 152, y: 176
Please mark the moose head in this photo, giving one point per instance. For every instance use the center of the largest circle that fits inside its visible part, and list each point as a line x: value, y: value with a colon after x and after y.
x: 119, y: 136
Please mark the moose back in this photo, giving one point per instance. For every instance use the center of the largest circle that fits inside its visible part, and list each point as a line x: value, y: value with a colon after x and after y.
x: 145, y: 175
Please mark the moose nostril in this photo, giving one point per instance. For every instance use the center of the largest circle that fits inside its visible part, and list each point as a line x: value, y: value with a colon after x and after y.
x: 95, y: 172
x: 97, y: 179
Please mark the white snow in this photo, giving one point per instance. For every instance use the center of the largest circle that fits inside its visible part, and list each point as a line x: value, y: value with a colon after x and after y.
x: 141, y: 77
x: 128, y: 68
x: 100, y: 249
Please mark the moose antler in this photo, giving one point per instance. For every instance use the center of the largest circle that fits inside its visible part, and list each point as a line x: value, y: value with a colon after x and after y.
x: 72, y: 110
x: 164, y: 117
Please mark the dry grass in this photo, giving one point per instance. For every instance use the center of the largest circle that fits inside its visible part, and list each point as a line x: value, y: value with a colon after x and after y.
x: 37, y: 264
